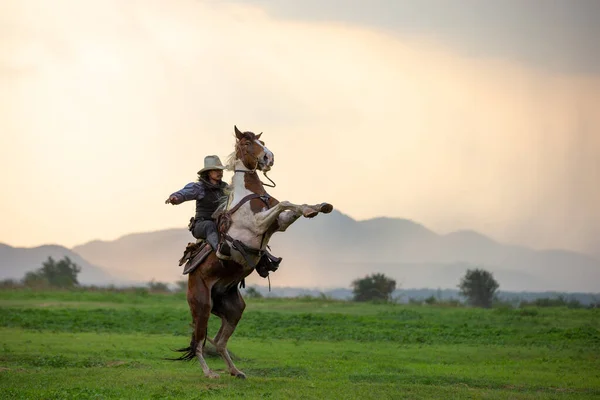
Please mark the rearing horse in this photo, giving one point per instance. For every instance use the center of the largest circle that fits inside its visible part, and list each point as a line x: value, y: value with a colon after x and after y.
x: 251, y: 216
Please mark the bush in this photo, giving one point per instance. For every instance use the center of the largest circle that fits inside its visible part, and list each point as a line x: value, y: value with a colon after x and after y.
x: 253, y: 293
x: 182, y: 286
x: 560, y: 301
x: 158, y: 287
x: 10, y: 284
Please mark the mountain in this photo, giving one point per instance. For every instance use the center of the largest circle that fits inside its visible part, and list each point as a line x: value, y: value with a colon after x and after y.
x: 332, y: 250
x: 141, y: 256
x: 15, y: 262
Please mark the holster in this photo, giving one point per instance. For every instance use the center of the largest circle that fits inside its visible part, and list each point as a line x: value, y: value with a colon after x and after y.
x: 191, y: 224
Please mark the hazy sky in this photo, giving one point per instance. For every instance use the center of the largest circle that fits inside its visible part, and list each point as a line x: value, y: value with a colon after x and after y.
x: 457, y: 114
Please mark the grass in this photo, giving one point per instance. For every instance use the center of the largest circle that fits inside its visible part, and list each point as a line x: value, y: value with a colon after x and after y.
x: 101, y: 345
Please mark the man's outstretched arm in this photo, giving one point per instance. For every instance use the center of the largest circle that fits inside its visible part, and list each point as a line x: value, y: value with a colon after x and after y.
x: 191, y: 191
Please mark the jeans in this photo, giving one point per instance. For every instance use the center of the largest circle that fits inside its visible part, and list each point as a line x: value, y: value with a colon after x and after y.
x: 207, y: 230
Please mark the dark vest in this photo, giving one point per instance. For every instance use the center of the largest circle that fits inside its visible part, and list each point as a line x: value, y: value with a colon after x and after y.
x: 206, y: 206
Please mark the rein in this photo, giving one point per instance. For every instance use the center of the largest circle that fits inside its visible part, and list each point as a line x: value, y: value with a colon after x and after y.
x: 254, y: 171
x: 273, y: 183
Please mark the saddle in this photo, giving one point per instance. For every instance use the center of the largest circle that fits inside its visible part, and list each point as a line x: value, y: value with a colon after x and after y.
x: 194, y: 254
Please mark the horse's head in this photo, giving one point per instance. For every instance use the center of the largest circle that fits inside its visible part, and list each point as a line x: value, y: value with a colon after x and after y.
x: 252, y: 151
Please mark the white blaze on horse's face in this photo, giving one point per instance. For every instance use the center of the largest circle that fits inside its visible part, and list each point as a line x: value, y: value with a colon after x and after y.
x: 266, y: 159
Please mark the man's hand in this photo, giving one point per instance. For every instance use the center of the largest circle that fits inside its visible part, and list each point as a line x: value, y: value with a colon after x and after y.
x: 171, y: 200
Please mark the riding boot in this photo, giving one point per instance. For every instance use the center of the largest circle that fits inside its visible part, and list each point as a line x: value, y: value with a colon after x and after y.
x: 267, y: 263
x: 213, y: 239
x: 224, y: 251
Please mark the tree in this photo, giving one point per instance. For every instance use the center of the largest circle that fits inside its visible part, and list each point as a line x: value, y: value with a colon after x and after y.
x: 373, y: 287
x: 253, y: 293
x: 62, y: 274
x: 158, y: 287
x: 182, y: 285
x: 479, y: 287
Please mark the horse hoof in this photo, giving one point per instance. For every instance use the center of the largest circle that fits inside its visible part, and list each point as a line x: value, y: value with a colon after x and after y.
x: 325, y: 208
x: 212, y: 375
x: 240, y: 375
x: 310, y: 213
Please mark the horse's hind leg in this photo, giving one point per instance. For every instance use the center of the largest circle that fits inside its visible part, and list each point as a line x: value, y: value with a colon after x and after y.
x: 199, y: 300
x: 229, y: 308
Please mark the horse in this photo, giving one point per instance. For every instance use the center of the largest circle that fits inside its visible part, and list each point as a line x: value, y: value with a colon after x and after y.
x: 248, y: 217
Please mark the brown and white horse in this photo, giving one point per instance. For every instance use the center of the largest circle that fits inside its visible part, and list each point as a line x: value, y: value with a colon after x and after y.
x: 252, y: 216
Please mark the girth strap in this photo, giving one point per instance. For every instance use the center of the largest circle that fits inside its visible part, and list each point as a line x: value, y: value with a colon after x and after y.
x: 237, y: 244
x: 244, y: 250
x: 224, y: 219
x: 264, y: 198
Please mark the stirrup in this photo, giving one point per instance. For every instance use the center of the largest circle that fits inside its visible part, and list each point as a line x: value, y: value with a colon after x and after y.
x: 221, y: 255
x: 268, y: 263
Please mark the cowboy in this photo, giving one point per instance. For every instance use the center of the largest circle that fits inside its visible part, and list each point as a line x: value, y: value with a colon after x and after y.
x: 208, y: 192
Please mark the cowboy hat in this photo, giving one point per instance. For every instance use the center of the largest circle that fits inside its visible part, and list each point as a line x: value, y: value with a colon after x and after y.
x: 210, y: 163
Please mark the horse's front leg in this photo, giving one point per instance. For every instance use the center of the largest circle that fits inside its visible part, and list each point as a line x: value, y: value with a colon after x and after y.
x: 291, y: 212
x: 313, y: 210
x: 265, y: 219
x: 287, y: 218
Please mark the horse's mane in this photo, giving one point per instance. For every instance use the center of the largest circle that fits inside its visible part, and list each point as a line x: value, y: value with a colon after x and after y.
x: 230, y: 161
x: 229, y: 166
x: 223, y: 200
x: 231, y: 158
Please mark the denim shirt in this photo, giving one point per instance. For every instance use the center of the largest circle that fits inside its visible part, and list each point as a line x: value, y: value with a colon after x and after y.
x: 207, y: 197
x: 191, y: 191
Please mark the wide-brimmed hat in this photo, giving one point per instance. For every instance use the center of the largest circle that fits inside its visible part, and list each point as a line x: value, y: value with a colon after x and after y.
x: 210, y: 163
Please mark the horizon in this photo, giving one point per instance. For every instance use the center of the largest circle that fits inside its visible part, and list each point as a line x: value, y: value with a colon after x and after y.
x: 181, y: 228
x: 465, y: 119
x: 329, y: 252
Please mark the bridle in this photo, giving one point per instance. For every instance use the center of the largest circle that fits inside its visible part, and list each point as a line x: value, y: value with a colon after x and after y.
x: 254, y: 169
x: 224, y: 219
x: 248, y: 171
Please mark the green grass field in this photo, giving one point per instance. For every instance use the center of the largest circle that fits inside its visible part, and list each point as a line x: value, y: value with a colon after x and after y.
x: 111, y: 345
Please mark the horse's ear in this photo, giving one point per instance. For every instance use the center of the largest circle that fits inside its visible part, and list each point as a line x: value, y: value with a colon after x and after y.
x: 258, y: 136
x: 239, y: 135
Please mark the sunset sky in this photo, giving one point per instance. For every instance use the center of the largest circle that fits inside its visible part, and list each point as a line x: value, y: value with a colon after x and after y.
x: 461, y: 114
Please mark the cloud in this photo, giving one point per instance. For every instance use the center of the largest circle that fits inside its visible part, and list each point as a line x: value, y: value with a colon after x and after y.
x: 553, y: 35
x: 113, y: 106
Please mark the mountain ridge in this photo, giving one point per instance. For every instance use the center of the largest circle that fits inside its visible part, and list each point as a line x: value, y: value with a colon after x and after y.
x: 15, y: 262
x: 335, y: 249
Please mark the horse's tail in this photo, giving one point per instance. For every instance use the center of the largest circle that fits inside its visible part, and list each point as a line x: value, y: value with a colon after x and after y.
x: 189, y: 353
